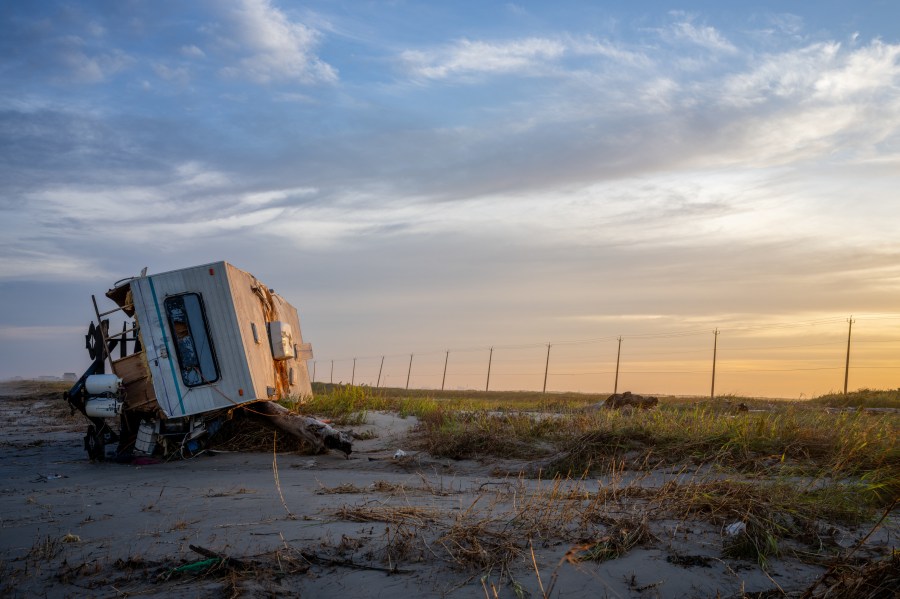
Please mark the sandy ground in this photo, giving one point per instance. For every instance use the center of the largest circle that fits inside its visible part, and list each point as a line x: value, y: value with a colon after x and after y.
x: 72, y: 528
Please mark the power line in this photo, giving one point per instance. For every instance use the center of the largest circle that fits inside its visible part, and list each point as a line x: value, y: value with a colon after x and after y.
x: 733, y: 343
x: 641, y: 336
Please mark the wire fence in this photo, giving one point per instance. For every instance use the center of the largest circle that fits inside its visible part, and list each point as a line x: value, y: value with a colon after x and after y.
x: 779, y: 359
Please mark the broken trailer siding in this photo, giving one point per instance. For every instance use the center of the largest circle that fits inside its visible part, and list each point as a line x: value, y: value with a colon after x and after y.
x: 217, y: 363
x: 256, y: 306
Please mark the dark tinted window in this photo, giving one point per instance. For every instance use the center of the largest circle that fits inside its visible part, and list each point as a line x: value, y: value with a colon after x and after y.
x: 187, y: 321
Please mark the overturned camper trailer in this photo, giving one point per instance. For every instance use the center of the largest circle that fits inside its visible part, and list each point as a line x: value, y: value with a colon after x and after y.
x: 203, y: 341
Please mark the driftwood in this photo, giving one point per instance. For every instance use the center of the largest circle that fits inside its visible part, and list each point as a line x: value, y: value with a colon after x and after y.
x: 316, y: 433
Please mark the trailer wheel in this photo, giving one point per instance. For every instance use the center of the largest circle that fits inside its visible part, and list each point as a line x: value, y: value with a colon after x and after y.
x: 95, y: 444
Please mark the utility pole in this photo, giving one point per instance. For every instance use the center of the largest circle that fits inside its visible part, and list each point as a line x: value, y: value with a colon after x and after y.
x: 378, y: 383
x: 409, y: 372
x: 490, y: 359
x: 353, y: 375
x: 446, y: 359
x: 712, y: 390
x: 618, y: 356
x: 332, y: 372
x: 546, y: 368
x: 314, y: 371
x: 847, y: 363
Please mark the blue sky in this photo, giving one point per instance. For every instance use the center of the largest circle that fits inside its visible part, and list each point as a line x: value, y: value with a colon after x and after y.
x: 423, y: 175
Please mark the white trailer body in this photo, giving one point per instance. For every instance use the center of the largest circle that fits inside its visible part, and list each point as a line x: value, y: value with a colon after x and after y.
x: 215, y: 337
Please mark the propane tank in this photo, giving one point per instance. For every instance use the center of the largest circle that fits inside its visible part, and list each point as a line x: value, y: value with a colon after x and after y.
x: 102, y: 407
x: 101, y: 384
x: 146, y: 437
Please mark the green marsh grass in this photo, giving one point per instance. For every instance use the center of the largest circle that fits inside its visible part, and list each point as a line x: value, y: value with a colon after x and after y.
x: 349, y: 404
x: 862, y: 398
x: 774, y: 438
x: 568, y: 433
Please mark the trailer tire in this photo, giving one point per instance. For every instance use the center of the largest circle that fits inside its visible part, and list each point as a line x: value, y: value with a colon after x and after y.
x: 94, y: 444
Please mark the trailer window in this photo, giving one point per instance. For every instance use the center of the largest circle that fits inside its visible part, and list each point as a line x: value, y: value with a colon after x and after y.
x: 190, y: 331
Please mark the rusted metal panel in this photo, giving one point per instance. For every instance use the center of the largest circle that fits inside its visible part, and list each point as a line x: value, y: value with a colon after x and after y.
x: 248, y: 295
x: 301, y: 386
x: 256, y: 306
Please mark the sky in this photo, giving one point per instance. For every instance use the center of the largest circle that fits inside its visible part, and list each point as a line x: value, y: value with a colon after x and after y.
x: 420, y: 177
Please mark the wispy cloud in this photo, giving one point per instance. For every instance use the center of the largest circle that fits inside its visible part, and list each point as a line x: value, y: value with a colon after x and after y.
x: 274, y: 47
x: 86, y: 65
x: 47, y: 262
x: 868, y: 71
x: 261, y: 198
x: 704, y: 36
x: 179, y: 75
x: 590, y: 46
x: 783, y: 76
x: 812, y: 102
x: 192, y: 51
x: 467, y: 57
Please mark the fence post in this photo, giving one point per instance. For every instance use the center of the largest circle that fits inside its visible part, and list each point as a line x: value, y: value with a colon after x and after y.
x: 712, y: 390
x: 446, y: 359
x: 618, y: 356
x: 409, y: 372
x: 353, y: 376
x: 487, y: 385
x: 378, y: 383
x: 546, y: 369
x: 847, y: 363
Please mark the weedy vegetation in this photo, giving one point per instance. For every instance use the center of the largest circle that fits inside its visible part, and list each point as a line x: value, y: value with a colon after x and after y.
x: 788, y: 471
x: 831, y: 438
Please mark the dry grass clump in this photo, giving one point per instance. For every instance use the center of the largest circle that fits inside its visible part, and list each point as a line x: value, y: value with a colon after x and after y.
x: 246, y: 434
x: 383, y: 486
x: 480, y: 545
x: 345, y: 488
x: 502, y: 522
x: 409, y: 515
x: 479, y: 434
x: 623, y: 535
x: 878, y: 579
x: 44, y: 549
x: 770, y: 513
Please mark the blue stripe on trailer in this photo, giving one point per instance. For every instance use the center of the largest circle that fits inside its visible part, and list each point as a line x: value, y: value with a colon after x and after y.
x: 162, y: 327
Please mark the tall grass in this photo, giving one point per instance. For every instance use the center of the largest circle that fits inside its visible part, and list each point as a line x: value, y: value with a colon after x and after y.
x: 574, y: 436
x: 350, y: 404
x: 863, y: 398
x: 792, y: 440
